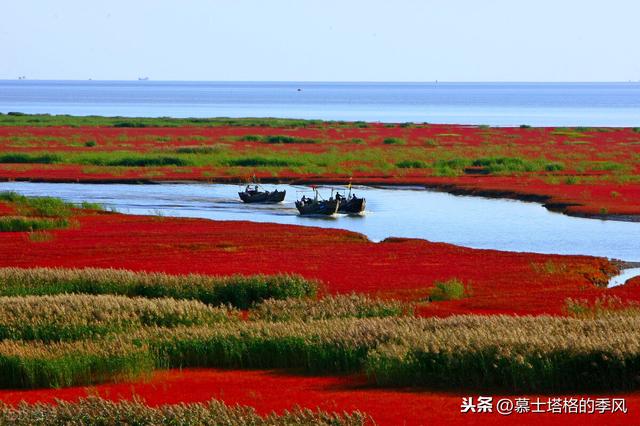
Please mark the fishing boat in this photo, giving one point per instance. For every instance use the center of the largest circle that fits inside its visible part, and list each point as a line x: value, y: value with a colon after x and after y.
x: 351, y: 204
x: 317, y: 206
x: 255, y: 194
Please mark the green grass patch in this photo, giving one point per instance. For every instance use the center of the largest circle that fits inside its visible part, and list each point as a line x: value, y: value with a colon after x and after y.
x: 91, y: 206
x: 252, y: 138
x: 412, y: 164
x: 553, y: 166
x: 134, y: 160
x: 25, y: 158
x: 610, y: 166
x: 21, y: 119
x: 394, y: 141
x: 38, y: 213
x: 30, y: 224
x: 514, y: 165
x: 452, y: 289
x: 451, y: 167
x: 278, y: 139
x: 575, y: 142
x: 38, y: 206
x: 199, y: 150
x: 263, y: 161
x: 570, y: 133
x: 496, y: 165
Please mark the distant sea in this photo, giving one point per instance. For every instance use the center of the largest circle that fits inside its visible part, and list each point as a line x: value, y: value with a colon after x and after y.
x: 498, y: 104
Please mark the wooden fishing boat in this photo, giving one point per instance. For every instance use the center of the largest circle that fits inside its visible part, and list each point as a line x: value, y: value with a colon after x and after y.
x: 351, y: 204
x: 316, y: 206
x: 254, y: 194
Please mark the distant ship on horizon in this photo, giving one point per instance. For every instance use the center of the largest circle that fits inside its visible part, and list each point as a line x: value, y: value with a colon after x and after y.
x: 143, y: 78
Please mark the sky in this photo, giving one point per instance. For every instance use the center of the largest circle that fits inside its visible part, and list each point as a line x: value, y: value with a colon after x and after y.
x: 321, y: 40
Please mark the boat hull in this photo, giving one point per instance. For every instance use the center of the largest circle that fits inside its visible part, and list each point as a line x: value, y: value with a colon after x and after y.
x: 263, y: 196
x: 324, y: 208
x: 352, y: 206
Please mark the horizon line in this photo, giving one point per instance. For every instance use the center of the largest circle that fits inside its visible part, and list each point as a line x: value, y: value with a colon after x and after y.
x: 149, y: 80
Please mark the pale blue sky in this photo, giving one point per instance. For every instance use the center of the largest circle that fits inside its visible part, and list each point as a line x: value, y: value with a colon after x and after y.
x: 328, y: 40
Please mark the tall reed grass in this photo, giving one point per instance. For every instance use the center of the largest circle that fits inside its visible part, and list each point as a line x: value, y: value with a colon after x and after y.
x: 72, y: 317
x: 340, y: 306
x: 237, y: 290
x: 331, y: 335
x: 62, y: 364
x: 466, y: 352
x: 96, y: 411
x: 512, y: 353
x: 533, y: 354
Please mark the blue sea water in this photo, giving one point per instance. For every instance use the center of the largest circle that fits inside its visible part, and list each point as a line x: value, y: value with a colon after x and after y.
x: 499, y: 104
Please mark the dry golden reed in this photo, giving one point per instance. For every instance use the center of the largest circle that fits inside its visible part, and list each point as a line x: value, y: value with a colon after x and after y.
x: 92, y: 411
x: 74, y: 316
x: 518, y: 353
x: 340, y: 306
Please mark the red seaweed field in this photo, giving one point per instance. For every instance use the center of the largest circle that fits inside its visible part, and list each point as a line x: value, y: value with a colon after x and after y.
x: 442, y: 288
x: 277, y: 391
x: 581, y: 171
x: 345, y: 262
